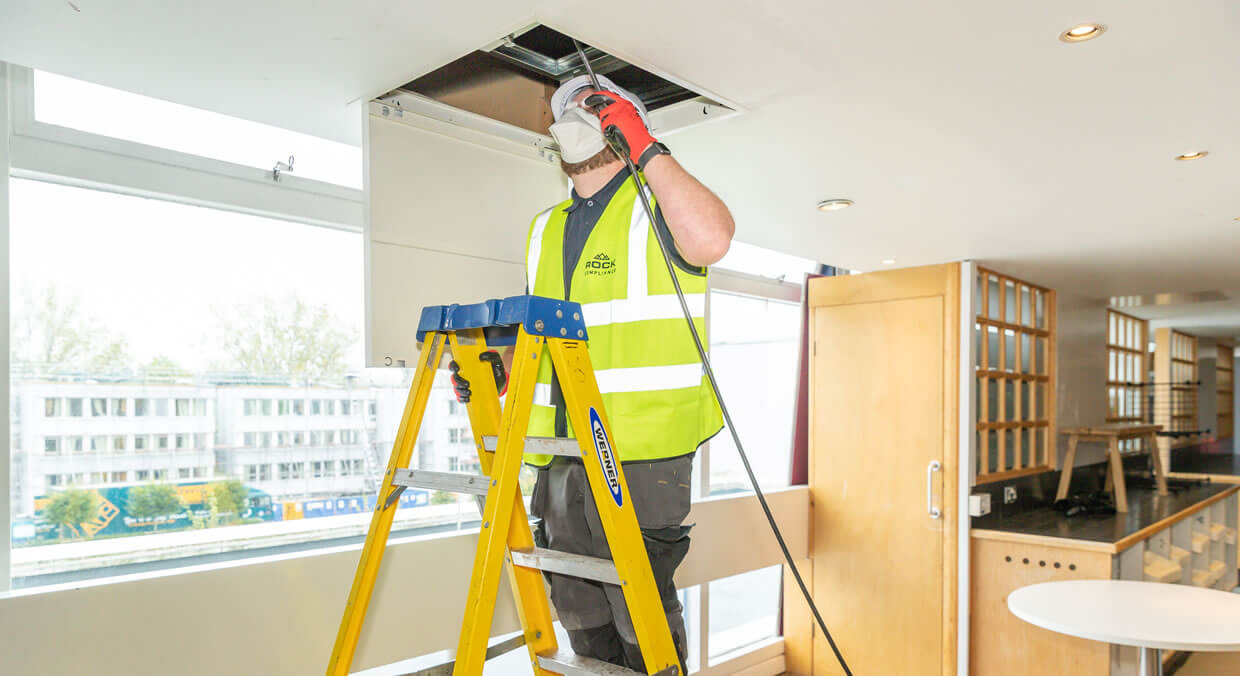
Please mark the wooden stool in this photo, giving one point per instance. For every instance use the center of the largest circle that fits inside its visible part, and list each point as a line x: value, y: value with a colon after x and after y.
x: 1111, y: 434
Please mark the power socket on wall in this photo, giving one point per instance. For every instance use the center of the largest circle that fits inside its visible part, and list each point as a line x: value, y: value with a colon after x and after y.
x: 1009, y: 495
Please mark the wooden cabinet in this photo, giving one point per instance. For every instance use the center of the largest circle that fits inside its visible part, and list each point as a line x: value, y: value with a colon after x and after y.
x: 883, y: 436
x: 1195, y: 546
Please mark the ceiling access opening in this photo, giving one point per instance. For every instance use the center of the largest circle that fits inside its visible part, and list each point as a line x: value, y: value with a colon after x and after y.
x: 511, y: 82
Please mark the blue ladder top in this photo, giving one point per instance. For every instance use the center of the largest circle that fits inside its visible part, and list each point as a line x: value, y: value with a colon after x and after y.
x: 541, y: 316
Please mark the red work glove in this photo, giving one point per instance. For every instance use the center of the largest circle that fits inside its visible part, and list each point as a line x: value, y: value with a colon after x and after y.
x: 618, y: 112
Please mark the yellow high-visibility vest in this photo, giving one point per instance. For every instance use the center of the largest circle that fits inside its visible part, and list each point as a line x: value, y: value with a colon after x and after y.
x: 655, y: 391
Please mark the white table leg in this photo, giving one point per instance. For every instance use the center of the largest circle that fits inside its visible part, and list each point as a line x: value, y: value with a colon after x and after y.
x: 1151, y: 662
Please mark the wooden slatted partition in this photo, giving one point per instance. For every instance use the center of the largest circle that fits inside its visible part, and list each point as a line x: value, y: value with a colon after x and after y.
x: 1225, y: 377
x: 1015, y: 334
x: 1127, y: 372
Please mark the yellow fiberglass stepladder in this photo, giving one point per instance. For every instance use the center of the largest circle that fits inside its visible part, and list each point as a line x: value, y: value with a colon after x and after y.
x: 532, y: 322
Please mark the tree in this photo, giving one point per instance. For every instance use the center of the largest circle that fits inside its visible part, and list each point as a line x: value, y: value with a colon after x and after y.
x: 231, y: 497
x: 153, y: 501
x: 70, y: 508
x: 292, y: 338
x: 50, y: 329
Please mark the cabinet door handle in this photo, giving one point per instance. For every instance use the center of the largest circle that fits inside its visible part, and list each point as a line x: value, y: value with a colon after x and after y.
x: 933, y: 467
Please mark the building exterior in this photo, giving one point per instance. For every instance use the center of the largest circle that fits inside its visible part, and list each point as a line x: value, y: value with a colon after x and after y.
x: 287, y: 438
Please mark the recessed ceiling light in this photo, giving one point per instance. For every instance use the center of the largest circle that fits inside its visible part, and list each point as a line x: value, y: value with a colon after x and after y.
x: 1083, y: 32
x: 889, y: 261
x: 834, y: 205
x: 1193, y: 156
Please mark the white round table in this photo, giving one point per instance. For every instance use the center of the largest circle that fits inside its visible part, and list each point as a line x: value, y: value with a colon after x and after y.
x: 1153, y: 616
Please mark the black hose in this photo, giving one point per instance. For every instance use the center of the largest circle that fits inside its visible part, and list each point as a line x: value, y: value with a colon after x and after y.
x: 618, y: 145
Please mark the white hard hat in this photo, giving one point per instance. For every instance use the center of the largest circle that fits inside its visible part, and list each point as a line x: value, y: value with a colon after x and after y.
x: 566, y: 92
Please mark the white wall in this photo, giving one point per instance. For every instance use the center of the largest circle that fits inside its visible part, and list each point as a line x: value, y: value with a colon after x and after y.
x: 1082, y: 361
x: 280, y: 615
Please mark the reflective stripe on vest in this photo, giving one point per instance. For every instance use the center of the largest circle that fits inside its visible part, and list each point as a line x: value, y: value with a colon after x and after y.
x: 658, y: 401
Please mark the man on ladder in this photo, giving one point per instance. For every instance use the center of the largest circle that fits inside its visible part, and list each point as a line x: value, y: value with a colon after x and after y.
x: 597, y: 248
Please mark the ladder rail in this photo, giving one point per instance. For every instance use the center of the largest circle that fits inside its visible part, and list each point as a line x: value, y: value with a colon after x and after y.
x: 486, y: 419
x: 385, y: 511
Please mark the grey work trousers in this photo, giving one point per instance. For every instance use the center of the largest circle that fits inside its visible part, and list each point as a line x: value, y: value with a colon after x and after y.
x: 595, y: 614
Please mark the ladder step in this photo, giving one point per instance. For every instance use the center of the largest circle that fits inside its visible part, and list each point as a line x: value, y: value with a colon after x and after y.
x: 540, y: 446
x: 442, y: 481
x: 564, y: 661
x: 576, y: 565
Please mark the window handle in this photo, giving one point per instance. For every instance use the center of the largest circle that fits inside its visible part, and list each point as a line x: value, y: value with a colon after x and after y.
x: 933, y: 467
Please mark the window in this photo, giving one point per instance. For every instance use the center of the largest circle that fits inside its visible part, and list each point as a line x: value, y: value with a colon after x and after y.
x: 51, y: 445
x: 182, y: 472
x: 75, y: 407
x: 141, y: 407
x: 152, y: 122
x: 200, y: 407
x: 282, y: 439
x: 453, y: 407
x: 251, y: 472
x: 142, y: 474
x: 357, y: 467
x: 74, y: 444
x: 344, y: 468
x: 1015, y: 340
x: 52, y: 480
x: 284, y: 407
x: 329, y: 469
x: 250, y: 439
x: 250, y: 407
x: 316, y: 407
x: 299, y: 438
x: 118, y: 442
x: 183, y: 441
x: 200, y: 440
x: 99, y: 443
x: 298, y: 469
x: 299, y: 407
x: 159, y: 474
x: 344, y: 407
x: 161, y: 407
x: 140, y: 442
x: 265, y: 437
x: 745, y: 331
x: 329, y: 406
x: 200, y: 472
x: 316, y: 438
x: 744, y: 609
x: 183, y: 407
x: 317, y: 468
x: 98, y: 477
x: 119, y: 408
x: 51, y: 407
x: 264, y: 473
x: 329, y: 437
x: 161, y: 441
x: 98, y: 406
x: 286, y: 471
x: 120, y: 477
x: 266, y: 407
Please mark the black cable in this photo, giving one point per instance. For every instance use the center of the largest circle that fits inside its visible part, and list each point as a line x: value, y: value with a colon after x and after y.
x: 710, y: 375
x: 619, y: 146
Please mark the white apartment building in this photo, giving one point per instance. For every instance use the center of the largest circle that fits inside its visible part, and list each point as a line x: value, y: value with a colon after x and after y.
x: 287, y: 439
x: 93, y: 433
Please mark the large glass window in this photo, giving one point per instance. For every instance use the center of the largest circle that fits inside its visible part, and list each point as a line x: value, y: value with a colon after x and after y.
x: 59, y: 100
x: 754, y: 344
x: 120, y: 341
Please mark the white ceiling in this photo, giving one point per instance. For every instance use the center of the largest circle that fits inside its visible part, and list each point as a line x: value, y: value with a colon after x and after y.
x: 961, y: 130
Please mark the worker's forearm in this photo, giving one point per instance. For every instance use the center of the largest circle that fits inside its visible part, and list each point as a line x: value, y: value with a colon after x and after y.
x: 699, y: 221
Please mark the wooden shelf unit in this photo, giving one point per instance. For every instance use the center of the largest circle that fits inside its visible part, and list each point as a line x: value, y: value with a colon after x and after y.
x: 1175, y: 394
x: 1015, y: 336
x: 1127, y: 372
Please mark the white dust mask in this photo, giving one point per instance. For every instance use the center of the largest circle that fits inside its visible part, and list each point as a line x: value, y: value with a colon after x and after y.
x: 579, y: 135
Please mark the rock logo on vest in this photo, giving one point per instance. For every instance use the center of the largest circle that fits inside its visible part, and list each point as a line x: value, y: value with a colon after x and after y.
x: 601, y: 264
x: 605, y: 458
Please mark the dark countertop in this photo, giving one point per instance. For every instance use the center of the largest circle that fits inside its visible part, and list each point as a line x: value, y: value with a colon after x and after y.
x: 1145, y: 508
x: 1205, y: 461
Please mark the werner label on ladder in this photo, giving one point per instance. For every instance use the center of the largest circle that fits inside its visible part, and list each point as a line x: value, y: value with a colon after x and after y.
x: 532, y: 323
